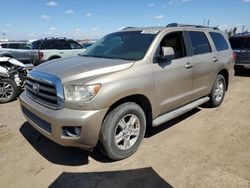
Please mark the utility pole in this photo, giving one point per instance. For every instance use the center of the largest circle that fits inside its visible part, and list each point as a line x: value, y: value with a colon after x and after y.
x: 243, y: 28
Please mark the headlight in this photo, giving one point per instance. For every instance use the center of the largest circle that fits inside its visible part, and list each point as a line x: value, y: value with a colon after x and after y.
x: 81, y: 93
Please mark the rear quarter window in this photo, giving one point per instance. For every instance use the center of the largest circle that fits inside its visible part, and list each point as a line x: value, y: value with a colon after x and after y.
x: 219, y: 41
x: 200, y: 44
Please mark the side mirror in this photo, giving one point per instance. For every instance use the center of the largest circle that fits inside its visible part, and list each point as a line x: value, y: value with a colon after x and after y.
x: 167, y: 53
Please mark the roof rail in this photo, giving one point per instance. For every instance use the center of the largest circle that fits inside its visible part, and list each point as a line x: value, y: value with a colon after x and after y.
x: 48, y: 38
x: 127, y: 28
x: 189, y: 25
x: 242, y: 34
x: 61, y: 38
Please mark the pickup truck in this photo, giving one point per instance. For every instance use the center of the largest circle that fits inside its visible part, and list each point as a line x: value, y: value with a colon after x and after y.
x: 24, y: 56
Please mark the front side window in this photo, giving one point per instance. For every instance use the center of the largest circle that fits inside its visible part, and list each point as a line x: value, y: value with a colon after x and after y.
x: 26, y: 46
x: 200, y: 44
x: 75, y: 45
x: 128, y: 45
x: 48, y: 44
x: 219, y: 41
x: 174, y: 40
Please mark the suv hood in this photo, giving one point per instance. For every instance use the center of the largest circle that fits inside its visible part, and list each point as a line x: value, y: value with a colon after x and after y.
x: 82, y: 68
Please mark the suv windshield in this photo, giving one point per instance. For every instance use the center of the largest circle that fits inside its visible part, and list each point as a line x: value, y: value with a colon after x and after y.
x: 240, y: 42
x: 129, y: 45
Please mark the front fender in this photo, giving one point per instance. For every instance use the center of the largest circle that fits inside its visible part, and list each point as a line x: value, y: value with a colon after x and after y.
x: 4, y: 72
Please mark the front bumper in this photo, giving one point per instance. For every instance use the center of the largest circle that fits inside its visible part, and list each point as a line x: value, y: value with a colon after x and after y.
x: 50, y: 123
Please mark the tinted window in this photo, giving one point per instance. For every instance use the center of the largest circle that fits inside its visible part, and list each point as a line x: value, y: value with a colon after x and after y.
x: 129, y: 45
x: 199, y: 42
x: 14, y: 46
x: 48, y: 44
x: 219, y: 41
x: 75, y: 45
x: 4, y: 45
x: 240, y: 42
x: 63, y: 45
x: 36, y: 44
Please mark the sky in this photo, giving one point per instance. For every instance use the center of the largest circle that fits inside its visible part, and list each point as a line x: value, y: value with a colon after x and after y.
x: 92, y: 19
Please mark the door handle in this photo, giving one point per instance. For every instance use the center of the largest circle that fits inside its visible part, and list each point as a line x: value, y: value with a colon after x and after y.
x: 215, y: 59
x: 189, y: 65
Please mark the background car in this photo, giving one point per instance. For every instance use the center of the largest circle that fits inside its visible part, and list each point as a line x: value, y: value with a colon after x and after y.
x: 54, y: 48
x: 16, y: 45
x: 241, y: 45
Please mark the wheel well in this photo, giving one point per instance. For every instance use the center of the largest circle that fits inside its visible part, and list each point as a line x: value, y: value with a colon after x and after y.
x: 54, y: 57
x: 224, y: 73
x: 139, y: 99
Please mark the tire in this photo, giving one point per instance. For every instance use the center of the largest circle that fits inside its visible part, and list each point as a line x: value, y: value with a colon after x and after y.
x: 122, y: 131
x: 218, y: 91
x: 8, y: 90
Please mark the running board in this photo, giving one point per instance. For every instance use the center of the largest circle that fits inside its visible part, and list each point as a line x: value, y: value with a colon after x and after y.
x: 173, y: 114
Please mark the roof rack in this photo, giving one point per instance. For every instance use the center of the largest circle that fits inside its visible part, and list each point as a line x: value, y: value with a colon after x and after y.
x: 189, y: 25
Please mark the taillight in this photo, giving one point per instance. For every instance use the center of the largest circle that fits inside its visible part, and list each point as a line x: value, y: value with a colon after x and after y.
x: 40, y: 55
x: 234, y: 56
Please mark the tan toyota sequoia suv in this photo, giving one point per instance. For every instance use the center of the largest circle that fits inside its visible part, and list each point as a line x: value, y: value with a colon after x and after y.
x: 126, y: 82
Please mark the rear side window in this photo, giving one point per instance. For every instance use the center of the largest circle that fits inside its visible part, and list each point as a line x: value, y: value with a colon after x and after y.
x: 4, y: 45
x: 48, y: 44
x: 199, y: 42
x: 219, y: 41
x: 14, y: 46
x: 63, y: 45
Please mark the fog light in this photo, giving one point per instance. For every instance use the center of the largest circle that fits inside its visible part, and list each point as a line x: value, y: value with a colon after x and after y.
x: 71, y: 131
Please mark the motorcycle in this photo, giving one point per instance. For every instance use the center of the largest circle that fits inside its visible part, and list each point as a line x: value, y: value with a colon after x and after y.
x: 13, y: 75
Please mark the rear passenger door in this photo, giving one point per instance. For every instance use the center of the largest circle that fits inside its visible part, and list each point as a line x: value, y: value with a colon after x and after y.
x: 202, y: 62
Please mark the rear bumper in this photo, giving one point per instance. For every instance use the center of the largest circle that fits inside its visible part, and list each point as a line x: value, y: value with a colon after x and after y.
x: 245, y: 64
x: 50, y: 123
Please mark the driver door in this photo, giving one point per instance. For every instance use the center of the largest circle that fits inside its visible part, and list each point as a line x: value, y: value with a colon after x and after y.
x: 173, y: 79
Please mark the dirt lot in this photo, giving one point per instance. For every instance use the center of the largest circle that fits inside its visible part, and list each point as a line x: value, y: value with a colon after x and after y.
x: 203, y: 148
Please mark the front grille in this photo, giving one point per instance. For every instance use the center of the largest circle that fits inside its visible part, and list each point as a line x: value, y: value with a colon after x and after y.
x: 42, y: 92
x: 37, y: 120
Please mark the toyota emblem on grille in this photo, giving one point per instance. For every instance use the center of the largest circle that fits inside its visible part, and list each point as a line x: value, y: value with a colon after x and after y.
x: 35, y: 87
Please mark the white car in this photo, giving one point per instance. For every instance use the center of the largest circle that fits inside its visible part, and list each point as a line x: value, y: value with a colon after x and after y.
x: 54, y: 48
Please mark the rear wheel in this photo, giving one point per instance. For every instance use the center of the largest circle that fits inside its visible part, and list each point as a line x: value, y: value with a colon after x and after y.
x: 122, y: 131
x: 218, y: 92
x: 8, y: 90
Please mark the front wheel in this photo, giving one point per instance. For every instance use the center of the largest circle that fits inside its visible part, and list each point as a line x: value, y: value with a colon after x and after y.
x: 122, y: 131
x: 218, y: 92
x: 8, y: 90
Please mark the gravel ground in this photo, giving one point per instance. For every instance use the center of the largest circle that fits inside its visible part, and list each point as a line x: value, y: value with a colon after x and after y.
x: 203, y: 148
